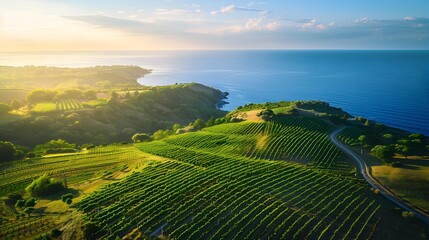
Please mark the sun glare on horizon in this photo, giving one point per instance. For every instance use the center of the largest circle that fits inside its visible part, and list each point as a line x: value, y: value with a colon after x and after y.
x: 44, y: 25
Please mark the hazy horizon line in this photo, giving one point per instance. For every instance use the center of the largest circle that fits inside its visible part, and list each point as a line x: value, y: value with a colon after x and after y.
x: 226, y: 49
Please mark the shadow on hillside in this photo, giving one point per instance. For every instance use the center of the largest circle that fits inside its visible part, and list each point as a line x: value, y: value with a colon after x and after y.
x: 415, y: 162
x: 57, y: 196
x: 409, y: 167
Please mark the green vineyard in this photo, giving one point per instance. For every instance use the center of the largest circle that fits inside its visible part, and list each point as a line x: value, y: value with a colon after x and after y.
x: 231, y: 181
x: 287, y: 138
x: 71, y: 104
x: 15, y: 176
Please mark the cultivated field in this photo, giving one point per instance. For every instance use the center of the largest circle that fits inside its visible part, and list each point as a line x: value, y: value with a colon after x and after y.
x: 222, y: 183
x: 250, y: 180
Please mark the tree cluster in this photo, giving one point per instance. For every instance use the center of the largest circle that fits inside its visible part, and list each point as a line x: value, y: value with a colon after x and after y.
x: 55, y: 146
x: 10, y: 151
x: 266, y: 115
x: 44, y: 186
x: 67, y: 198
x: 46, y: 95
x: 27, y: 206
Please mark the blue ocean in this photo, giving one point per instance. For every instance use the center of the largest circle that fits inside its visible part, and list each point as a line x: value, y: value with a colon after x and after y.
x: 390, y: 87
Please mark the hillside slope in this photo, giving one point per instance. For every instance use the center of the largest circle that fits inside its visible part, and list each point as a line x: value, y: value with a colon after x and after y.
x: 148, y: 111
x: 224, y: 183
x: 30, y: 77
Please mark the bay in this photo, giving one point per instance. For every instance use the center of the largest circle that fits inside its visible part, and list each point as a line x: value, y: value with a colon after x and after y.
x: 390, y: 87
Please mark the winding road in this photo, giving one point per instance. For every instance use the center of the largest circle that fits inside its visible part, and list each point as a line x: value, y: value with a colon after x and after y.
x: 365, y: 171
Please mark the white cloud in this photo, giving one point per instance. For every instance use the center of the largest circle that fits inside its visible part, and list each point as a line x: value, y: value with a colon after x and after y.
x: 252, y: 24
x: 409, y: 18
x: 362, y: 20
x: 309, y: 24
x: 272, y: 26
x: 233, y: 8
x: 320, y: 27
x: 162, y: 11
x: 313, y: 24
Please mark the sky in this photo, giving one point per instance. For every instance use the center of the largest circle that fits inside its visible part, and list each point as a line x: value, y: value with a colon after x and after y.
x: 103, y: 25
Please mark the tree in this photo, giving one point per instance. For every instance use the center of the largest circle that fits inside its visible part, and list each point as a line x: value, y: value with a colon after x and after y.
x: 90, y: 94
x: 382, y: 152
x: 266, y: 114
x: 41, y: 95
x: 387, y: 136
x: 210, y: 122
x: 31, y: 202
x: 7, y: 151
x: 4, y: 108
x: 20, y: 203
x: 367, y: 123
x: 160, y: 134
x: 362, y: 139
x: 44, y: 186
x: 12, y: 198
x: 29, y: 210
x: 15, y: 104
x: 176, y: 127
x: 89, y: 230
x: 52, y: 146
x: 113, y: 98
x: 140, y: 137
x: 198, y: 124
x: 69, y: 201
x: 402, y: 149
x: 127, y: 95
x: 66, y: 196
x: 114, y: 95
x: 415, y: 136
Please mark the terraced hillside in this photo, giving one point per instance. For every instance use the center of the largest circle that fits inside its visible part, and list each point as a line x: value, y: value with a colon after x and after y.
x: 232, y: 181
x: 15, y: 176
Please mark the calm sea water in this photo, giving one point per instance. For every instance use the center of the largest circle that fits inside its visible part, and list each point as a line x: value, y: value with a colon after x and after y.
x: 391, y: 87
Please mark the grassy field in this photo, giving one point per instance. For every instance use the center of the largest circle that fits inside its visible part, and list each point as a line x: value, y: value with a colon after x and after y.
x: 410, y: 181
x: 63, y: 105
x: 44, y: 107
x: 95, y: 103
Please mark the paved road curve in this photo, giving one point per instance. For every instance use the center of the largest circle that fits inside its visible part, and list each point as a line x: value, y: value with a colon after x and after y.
x: 365, y: 172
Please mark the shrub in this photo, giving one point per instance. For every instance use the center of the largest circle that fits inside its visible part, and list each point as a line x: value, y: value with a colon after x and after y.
x: 20, y: 203
x: 4, y: 108
x: 266, y: 115
x: 68, y: 201
x: 140, y: 137
x: 89, y: 229
x: 407, y: 215
x: 66, y: 196
x: 7, y: 151
x: 60, y: 144
x: 31, y: 202
x: 44, y: 186
x: 12, y: 198
x: 29, y: 210
x: 31, y: 155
